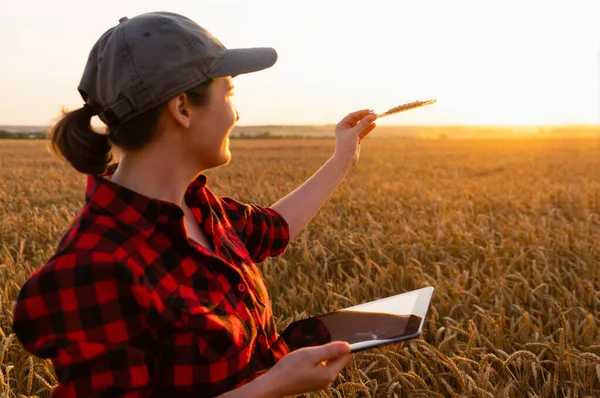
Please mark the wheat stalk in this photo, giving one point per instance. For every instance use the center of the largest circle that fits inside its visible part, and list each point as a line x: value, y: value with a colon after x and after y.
x: 30, y: 374
x: 520, y: 354
x: 406, y: 107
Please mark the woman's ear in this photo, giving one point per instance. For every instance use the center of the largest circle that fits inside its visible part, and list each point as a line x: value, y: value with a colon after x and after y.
x: 178, y: 108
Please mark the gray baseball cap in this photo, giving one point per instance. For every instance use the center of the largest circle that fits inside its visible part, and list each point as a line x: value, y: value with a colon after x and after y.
x: 146, y: 60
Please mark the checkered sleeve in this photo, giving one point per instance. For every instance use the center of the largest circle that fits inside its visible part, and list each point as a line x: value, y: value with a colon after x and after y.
x: 306, y: 333
x: 88, y: 314
x: 262, y: 229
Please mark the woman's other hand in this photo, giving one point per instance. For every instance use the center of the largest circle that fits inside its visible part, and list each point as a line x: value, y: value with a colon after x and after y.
x: 306, y: 369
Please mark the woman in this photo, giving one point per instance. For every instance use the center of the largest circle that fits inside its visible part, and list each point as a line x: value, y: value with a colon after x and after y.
x: 153, y: 290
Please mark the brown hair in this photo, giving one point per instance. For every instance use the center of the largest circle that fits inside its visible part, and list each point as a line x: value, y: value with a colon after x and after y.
x: 89, y: 152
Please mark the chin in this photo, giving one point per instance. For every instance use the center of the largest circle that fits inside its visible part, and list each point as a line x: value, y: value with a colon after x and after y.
x: 224, y: 159
x: 216, y: 160
x: 227, y: 153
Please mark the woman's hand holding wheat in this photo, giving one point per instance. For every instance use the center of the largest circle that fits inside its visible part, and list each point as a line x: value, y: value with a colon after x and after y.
x: 349, y: 133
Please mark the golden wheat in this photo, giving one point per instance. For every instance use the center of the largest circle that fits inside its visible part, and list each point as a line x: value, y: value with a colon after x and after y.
x: 507, y: 232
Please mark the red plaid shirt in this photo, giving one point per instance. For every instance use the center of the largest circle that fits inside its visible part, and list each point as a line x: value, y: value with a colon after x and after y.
x: 129, y: 307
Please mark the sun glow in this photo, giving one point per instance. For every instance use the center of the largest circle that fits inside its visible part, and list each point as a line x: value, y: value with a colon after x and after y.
x: 509, y: 62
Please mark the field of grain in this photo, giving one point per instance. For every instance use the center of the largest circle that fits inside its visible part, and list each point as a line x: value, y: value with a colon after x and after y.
x: 506, y: 231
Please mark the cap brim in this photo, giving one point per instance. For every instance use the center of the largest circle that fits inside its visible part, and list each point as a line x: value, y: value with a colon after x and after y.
x: 245, y: 60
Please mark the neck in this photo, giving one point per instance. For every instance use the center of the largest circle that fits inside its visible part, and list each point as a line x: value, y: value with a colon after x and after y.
x: 153, y: 175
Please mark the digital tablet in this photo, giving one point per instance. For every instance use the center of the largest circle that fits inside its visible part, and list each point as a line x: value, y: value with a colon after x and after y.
x: 373, y: 324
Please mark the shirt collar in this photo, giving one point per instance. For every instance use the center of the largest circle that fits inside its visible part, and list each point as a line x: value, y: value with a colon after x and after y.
x: 133, y: 209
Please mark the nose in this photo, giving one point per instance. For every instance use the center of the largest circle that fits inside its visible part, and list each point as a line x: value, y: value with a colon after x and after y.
x: 237, y: 115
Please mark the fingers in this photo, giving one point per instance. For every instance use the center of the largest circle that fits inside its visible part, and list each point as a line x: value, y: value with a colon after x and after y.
x: 352, y: 118
x: 368, y: 119
x: 365, y: 126
x: 367, y: 130
x: 338, y: 363
x: 333, y: 368
x: 330, y: 351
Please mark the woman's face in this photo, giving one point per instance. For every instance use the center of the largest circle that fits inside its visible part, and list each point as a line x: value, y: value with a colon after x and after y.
x: 211, y: 126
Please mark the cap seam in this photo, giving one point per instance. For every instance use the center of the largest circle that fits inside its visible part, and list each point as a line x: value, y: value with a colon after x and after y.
x: 195, y: 45
x: 212, y: 71
x: 137, y: 80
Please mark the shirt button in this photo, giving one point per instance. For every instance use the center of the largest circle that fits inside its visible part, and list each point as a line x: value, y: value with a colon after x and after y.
x: 242, y: 287
x: 261, y: 339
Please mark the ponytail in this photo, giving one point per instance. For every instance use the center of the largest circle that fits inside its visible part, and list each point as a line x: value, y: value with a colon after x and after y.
x: 73, y: 139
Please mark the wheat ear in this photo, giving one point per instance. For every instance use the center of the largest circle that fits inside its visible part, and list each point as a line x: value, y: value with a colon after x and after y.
x: 406, y: 107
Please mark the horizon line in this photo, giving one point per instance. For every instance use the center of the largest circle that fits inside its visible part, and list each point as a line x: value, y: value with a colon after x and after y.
x: 595, y: 124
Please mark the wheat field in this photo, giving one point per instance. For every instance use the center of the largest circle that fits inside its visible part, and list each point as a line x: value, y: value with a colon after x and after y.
x: 507, y: 231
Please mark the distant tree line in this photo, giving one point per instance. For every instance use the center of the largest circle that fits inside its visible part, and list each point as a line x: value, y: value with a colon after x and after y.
x: 4, y: 135
x: 267, y: 135
x: 240, y: 136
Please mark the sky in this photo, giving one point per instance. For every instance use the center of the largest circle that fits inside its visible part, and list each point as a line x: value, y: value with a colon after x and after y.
x: 486, y: 62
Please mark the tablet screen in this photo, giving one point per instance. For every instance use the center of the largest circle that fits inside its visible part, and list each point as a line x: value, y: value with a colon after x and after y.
x: 366, y: 325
